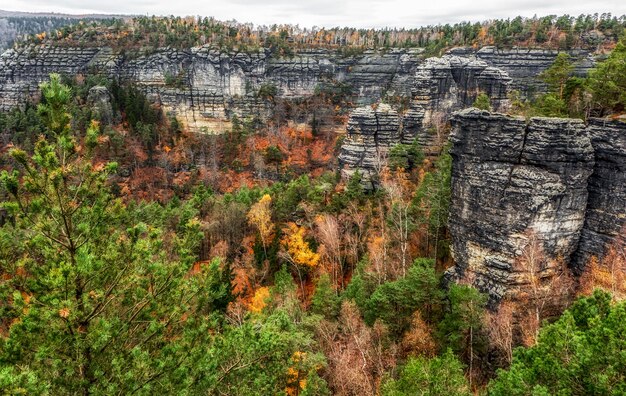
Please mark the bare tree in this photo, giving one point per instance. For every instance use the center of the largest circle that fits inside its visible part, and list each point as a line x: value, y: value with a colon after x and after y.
x: 609, y: 273
x: 358, y: 355
x: 500, y: 330
x: 398, y: 189
x: 544, y: 284
x: 330, y: 234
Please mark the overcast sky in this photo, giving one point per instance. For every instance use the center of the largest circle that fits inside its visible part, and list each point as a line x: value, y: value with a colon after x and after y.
x: 329, y: 13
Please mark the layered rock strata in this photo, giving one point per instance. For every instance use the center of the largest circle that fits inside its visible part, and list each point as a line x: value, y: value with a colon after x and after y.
x: 606, y: 207
x: 524, y: 65
x: 204, y: 87
x: 440, y: 86
x: 556, y: 180
x: 370, y: 133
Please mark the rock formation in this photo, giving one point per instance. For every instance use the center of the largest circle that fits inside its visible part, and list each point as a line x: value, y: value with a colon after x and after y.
x: 523, y: 65
x: 606, y: 206
x: 440, y: 86
x: 203, y: 86
x: 370, y: 133
x: 99, y: 100
x: 557, y: 179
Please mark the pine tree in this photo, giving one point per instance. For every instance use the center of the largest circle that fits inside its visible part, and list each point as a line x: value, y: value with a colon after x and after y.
x: 95, y: 300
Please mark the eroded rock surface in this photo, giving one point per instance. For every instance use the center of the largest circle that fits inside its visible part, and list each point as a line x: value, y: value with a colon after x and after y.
x: 524, y: 65
x: 440, y: 86
x: 99, y: 99
x: 606, y: 207
x: 370, y: 133
x: 510, y: 178
x: 204, y: 87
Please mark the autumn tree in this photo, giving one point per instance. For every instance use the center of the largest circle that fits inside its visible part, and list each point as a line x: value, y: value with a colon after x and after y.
x: 418, y: 340
x: 331, y: 234
x: 608, y: 273
x: 297, y: 249
x: 358, y: 355
x: 501, y: 329
x: 544, y: 285
x: 260, y: 216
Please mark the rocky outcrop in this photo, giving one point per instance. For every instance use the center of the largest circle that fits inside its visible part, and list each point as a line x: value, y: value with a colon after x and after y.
x: 512, y: 179
x: 99, y: 99
x: 204, y: 87
x: 524, y: 65
x: 370, y: 133
x: 557, y: 180
x: 443, y: 85
x: 606, y: 207
x: 440, y: 86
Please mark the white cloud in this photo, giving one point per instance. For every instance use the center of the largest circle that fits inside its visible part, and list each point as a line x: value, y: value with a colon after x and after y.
x: 357, y: 13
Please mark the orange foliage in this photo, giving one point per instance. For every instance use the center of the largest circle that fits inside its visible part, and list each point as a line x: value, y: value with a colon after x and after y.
x: 609, y: 273
x: 418, y: 340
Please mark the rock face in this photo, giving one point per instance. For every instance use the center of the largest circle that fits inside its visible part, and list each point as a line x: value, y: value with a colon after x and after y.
x: 440, y: 86
x: 523, y: 65
x: 556, y: 179
x: 443, y: 85
x: 606, y: 207
x: 370, y: 133
x: 204, y: 87
x: 99, y: 99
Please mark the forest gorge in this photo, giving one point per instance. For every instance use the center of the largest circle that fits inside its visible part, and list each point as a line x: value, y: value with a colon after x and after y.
x: 190, y: 206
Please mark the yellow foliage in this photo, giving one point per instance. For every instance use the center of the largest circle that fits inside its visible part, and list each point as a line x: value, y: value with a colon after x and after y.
x: 259, y: 300
x: 296, y: 379
x: 299, y: 249
x: 260, y: 216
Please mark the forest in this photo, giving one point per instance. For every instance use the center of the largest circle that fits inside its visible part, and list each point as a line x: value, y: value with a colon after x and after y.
x: 598, y: 32
x: 139, y: 258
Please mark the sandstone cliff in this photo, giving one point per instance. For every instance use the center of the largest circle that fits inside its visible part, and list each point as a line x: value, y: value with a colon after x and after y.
x: 204, y: 87
x: 606, y: 206
x: 523, y: 65
x: 440, y: 86
x: 557, y: 179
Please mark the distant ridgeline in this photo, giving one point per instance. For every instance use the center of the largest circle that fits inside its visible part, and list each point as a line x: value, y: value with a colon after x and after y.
x: 592, y: 32
x: 21, y: 26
